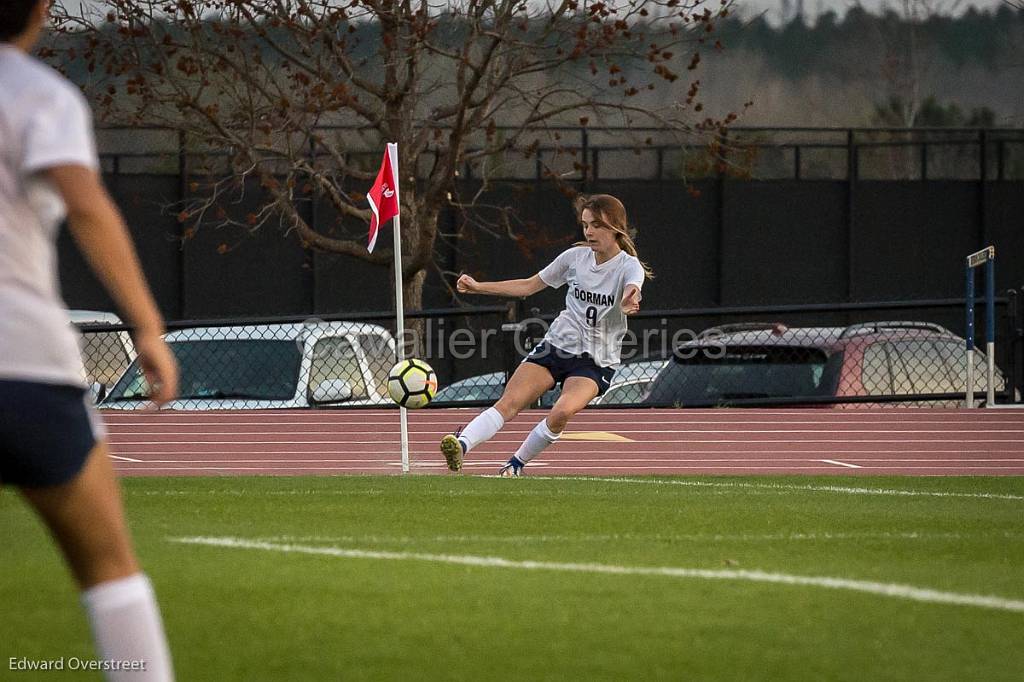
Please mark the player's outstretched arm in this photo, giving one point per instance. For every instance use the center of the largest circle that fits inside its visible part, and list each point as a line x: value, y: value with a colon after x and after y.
x: 631, y: 299
x: 514, y: 288
x: 101, y: 234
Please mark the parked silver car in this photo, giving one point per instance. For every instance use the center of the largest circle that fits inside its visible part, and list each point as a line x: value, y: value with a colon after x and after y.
x: 627, y: 388
x: 313, y: 364
x: 105, y: 354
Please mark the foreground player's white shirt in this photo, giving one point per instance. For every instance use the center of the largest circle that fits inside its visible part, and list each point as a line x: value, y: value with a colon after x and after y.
x: 44, y: 122
x: 593, y: 321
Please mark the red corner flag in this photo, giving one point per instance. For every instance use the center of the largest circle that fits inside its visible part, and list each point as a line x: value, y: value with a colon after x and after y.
x: 383, y: 196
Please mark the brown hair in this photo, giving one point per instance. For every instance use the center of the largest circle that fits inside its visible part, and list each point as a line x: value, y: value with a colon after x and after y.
x: 14, y: 17
x: 612, y: 215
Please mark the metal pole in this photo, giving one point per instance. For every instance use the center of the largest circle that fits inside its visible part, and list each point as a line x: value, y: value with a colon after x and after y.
x: 585, y: 159
x: 969, y: 304
x: 851, y: 181
x: 990, y: 328
x: 399, y: 303
x: 986, y: 256
x: 179, y: 256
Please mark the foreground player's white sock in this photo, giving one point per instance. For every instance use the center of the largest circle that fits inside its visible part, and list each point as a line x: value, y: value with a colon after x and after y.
x: 536, y: 441
x: 126, y: 625
x: 482, y: 428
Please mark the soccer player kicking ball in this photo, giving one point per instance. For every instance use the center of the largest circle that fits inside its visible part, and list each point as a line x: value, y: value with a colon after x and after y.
x: 581, y: 349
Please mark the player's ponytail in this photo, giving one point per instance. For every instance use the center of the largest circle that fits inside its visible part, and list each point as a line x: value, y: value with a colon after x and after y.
x: 612, y: 213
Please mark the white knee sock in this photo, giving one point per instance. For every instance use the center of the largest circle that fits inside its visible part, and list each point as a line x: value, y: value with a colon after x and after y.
x: 126, y: 625
x: 482, y: 428
x: 536, y: 441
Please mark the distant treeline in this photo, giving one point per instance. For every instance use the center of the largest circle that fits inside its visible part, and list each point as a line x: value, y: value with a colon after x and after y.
x: 994, y: 40
x: 861, y: 69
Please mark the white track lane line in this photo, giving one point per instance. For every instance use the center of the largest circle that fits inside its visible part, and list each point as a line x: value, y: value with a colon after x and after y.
x: 570, y: 468
x: 842, y: 464
x: 895, y: 590
x: 698, y: 411
x: 433, y: 441
x: 635, y: 461
x: 359, y: 432
x: 867, y: 455
x: 577, y: 419
x: 122, y: 458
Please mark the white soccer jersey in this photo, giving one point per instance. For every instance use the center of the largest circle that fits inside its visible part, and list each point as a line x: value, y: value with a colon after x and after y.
x: 593, y: 321
x: 44, y: 122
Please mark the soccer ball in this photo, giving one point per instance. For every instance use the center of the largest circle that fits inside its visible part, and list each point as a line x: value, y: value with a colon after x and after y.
x: 412, y: 383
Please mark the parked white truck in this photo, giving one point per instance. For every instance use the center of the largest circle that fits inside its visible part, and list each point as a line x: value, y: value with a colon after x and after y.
x: 270, y: 366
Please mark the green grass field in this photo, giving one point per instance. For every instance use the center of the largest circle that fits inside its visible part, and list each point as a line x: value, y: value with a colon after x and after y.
x: 411, y: 604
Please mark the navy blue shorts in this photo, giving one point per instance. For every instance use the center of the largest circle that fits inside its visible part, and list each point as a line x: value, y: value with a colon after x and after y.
x: 563, y: 365
x: 46, y: 433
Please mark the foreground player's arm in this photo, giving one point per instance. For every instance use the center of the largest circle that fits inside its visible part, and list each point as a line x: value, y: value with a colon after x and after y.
x: 631, y: 299
x: 514, y: 288
x: 101, y: 234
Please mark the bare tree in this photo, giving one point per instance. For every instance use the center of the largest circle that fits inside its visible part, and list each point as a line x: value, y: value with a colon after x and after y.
x: 292, y: 90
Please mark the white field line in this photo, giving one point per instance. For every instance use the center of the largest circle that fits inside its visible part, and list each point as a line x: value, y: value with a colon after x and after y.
x: 781, y: 486
x: 842, y: 464
x: 122, y: 458
x: 894, y: 590
x: 640, y: 537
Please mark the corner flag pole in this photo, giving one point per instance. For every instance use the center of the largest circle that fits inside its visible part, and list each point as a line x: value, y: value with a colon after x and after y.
x: 399, y: 305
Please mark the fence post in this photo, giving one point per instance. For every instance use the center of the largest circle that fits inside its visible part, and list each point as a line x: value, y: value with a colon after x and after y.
x: 723, y: 152
x: 851, y: 180
x: 1011, y: 326
x: 510, y: 330
x: 182, y: 196
x: 986, y: 257
x: 310, y: 274
x: 585, y: 158
x: 982, y: 187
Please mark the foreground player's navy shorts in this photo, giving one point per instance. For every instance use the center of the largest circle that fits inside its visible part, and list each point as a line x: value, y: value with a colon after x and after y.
x: 46, y: 433
x: 563, y: 365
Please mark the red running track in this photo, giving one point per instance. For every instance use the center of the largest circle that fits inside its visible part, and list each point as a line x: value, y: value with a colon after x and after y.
x: 597, y: 442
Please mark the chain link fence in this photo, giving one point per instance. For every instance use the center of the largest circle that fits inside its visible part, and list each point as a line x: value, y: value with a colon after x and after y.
x: 908, y: 353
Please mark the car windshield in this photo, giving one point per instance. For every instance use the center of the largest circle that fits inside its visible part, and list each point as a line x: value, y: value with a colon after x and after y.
x: 625, y: 394
x: 104, y: 356
x: 483, y: 387
x: 735, y: 373
x: 217, y: 369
